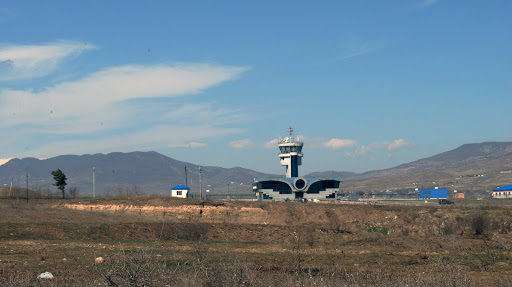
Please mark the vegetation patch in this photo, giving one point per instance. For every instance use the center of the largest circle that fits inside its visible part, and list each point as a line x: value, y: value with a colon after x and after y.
x: 379, y: 229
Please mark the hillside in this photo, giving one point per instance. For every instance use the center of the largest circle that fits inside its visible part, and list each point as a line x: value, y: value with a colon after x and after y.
x: 151, y: 172
x: 456, y: 169
x: 476, y: 154
x: 134, y: 172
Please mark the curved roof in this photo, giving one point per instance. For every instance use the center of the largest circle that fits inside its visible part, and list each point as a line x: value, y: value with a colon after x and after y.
x: 310, y: 182
x: 291, y: 180
x: 508, y: 187
x: 180, y: 186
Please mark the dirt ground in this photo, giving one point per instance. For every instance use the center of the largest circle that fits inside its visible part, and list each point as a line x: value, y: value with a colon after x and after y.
x: 394, y: 240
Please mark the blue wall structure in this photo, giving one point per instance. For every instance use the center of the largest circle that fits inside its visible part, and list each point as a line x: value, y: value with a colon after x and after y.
x: 433, y: 193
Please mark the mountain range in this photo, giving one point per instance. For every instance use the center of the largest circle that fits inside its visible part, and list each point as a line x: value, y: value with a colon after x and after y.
x: 475, y: 166
x: 481, y: 166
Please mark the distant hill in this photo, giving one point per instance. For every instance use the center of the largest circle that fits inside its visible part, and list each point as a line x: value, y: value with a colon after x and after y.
x: 456, y: 168
x: 145, y: 172
x: 465, y: 155
x: 151, y: 172
x: 343, y: 174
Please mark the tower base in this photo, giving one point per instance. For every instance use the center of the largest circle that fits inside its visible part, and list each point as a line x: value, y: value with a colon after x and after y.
x: 296, y: 188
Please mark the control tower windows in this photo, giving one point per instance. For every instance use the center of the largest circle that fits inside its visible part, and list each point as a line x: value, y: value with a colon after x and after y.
x: 288, y: 149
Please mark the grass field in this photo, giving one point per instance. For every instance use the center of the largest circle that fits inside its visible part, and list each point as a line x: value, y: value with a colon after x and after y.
x: 159, y: 241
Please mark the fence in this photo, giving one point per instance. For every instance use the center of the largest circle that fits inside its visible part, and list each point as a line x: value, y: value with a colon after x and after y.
x: 208, y: 196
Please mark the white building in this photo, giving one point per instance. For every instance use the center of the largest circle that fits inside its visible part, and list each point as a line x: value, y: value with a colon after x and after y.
x: 180, y: 191
x: 502, y: 192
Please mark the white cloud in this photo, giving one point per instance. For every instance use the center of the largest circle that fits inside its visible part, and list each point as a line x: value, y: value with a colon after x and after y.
x: 373, y: 147
x: 122, y: 108
x: 5, y: 160
x: 398, y: 144
x: 271, y: 144
x: 98, y: 101
x: 366, y: 149
x: 318, y: 143
x: 245, y: 143
x: 340, y: 143
x: 22, y: 62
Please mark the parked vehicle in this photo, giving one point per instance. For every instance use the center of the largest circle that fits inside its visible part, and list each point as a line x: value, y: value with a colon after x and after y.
x: 445, y: 201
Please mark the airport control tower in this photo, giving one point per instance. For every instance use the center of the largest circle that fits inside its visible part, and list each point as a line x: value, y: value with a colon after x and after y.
x: 291, y: 154
x: 293, y: 186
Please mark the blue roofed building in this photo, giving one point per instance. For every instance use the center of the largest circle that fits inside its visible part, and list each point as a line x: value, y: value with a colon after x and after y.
x: 502, y: 192
x: 180, y: 191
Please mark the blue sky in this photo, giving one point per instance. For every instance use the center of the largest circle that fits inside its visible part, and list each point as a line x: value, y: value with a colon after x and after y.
x: 366, y: 84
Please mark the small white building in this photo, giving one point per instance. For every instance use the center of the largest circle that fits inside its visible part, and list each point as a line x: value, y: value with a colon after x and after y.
x: 180, y: 191
x: 502, y: 192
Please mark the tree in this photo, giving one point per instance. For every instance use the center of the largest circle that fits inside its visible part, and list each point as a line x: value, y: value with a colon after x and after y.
x: 73, y: 191
x: 60, y: 180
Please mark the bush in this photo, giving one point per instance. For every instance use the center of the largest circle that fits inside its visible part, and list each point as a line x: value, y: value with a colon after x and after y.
x: 138, y: 269
x: 480, y: 223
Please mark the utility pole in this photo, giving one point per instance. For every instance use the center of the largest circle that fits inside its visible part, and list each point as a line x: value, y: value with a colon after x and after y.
x: 93, y: 182
x: 27, y: 187
x: 10, y: 190
x: 200, y: 184
x: 186, y: 179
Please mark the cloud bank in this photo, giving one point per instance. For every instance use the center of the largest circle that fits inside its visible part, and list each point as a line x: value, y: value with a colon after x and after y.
x: 271, y: 144
x: 117, y: 108
x: 78, y: 106
x: 340, y: 143
x: 23, y: 62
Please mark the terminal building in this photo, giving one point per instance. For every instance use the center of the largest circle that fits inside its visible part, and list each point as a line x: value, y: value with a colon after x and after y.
x: 293, y: 186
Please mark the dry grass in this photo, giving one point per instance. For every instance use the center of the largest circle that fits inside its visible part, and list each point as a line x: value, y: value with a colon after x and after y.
x: 252, y: 244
